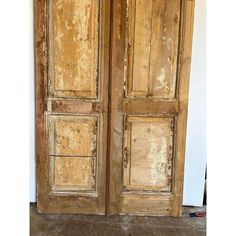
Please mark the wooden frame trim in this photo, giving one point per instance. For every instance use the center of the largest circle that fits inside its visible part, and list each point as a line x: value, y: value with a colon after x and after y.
x: 40, y: 37
x: 184, y: 65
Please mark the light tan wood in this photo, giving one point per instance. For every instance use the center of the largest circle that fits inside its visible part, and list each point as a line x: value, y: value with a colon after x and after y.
x: 148, y: 153
x: 182, y: 94
x: 72, y: 55
x: 152, y: 36
x: 111, y: 106
x: 148, y: 122
x: 72, y: 135
x: 73, y: 173
x: 73, y: 48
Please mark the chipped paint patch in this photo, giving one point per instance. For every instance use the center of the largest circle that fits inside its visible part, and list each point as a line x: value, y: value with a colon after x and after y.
x: 149, y: 154
x: 75, y: 46
x: 74, y: 172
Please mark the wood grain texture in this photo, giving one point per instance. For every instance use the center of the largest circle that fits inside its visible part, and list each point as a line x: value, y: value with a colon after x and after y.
x: 40, y: 9
x: 73, y: 135
x: 182, y: 93
x: 142, y: 67
x: 72, y: 55
x: 148, y: 153
x: 74, y: 48
x: 163, y: 103
x: 74, y: 173
x: 151, y: 48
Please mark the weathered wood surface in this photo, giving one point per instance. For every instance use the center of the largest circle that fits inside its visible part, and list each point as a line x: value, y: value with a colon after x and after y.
x: 74, y: 173
x: 72, y: 135
x: 148, y: 145
x: 151, y: 50
x: 74, y: 47
x: 72, y: 38
x: 144, y: 73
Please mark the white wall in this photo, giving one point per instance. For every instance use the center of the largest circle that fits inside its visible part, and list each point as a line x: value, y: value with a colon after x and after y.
x: 32, y: 110
x: 196, y: 137
x: 196, y: 133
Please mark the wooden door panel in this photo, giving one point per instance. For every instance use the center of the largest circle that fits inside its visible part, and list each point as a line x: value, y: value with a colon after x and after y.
x: 152, y: 30
x: 151, y: 49
x: 73, y: 135
x: 73, y: 152
x: 74, y: 48
x: 73, y: 174
x: 72, y: 38
x: 148, y: 151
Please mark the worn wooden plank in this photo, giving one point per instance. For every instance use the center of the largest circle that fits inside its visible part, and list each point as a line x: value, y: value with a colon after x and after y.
x: 141, y: 45
x: 165, y: 67
x: 42, y: 178
x: 183, y: 90
x: 157, y: 205
x: 151, y: 48
x: 150, y: 106
x: 71, y: 106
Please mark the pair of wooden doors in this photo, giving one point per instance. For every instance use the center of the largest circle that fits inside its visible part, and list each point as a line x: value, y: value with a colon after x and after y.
x: 111, y: 105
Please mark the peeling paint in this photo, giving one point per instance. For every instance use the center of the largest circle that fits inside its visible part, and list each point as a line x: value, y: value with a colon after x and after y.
x: 75, y: 45
x: 150, y: 157
x: 74, y: 172
x: 151, y: 48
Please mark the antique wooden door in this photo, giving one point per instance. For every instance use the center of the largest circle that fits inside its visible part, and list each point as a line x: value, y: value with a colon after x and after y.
x: 111, y: 105
x: 151, y: 44
x: 72, y: 42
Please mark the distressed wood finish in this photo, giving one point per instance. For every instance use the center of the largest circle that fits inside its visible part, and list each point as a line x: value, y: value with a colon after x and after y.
x: 152, y: 29
x: 134, y: 163
x: 72, y: 39
x: 148, y: 153
x: 151, y: 50
x: 73, y: 48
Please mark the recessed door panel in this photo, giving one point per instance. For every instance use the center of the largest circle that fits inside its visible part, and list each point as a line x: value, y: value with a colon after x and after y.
x: 148, y: 152
x: 74, y: 47
x: 73, y: 152
x: 151, y: 48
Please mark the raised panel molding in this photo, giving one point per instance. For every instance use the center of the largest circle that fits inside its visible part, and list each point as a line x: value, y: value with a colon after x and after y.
x: 73, y: 153
x: 152, y: 30
x: 74, y: 43
x: 148, y: 153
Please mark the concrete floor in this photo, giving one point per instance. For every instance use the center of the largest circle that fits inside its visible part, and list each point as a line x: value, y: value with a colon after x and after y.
x: 82, y: 225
